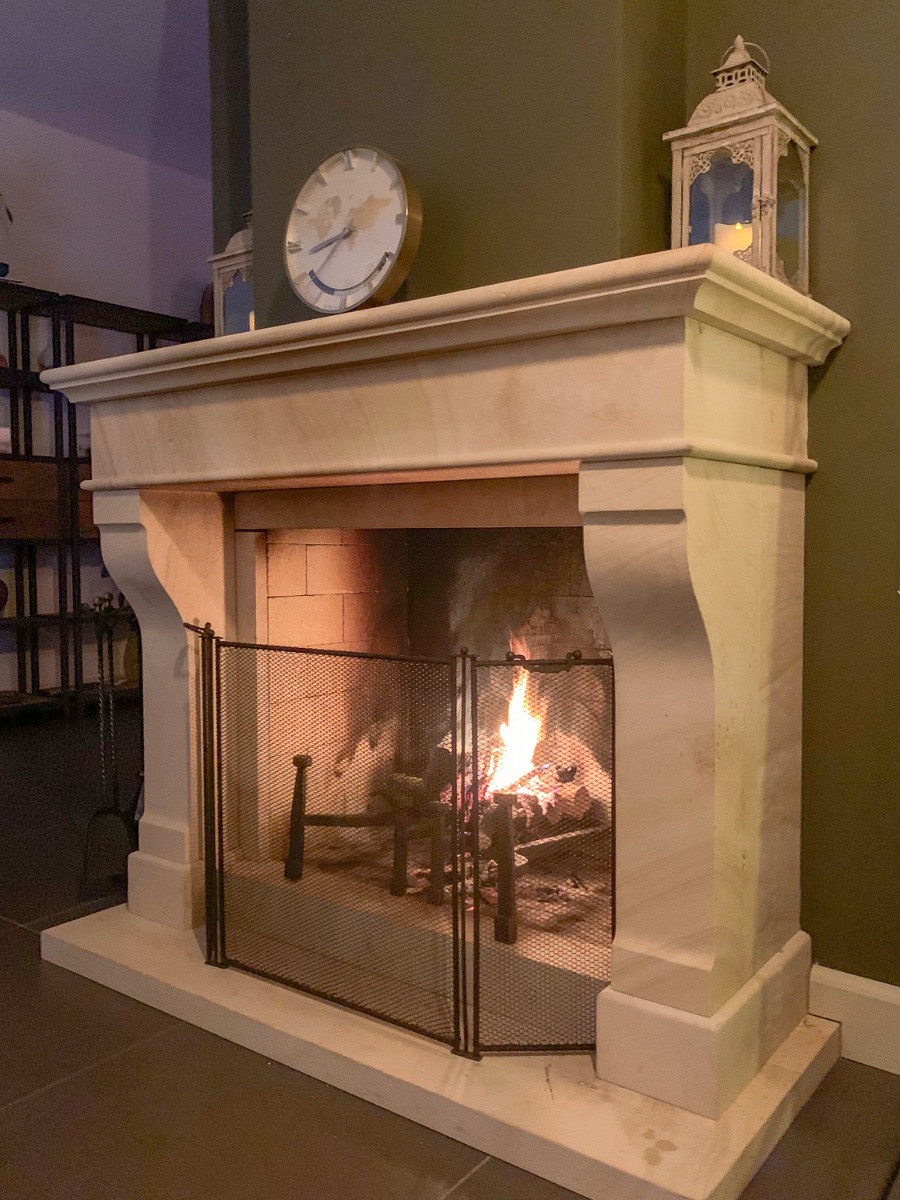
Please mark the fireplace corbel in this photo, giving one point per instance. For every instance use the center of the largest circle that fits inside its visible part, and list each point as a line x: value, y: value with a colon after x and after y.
x: 661, y: 403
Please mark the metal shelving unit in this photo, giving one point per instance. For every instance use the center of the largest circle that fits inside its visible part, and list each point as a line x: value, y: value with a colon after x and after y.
x: 41, y: 505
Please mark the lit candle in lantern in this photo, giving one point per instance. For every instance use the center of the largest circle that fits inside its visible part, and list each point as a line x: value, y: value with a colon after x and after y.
x: 733, y: 237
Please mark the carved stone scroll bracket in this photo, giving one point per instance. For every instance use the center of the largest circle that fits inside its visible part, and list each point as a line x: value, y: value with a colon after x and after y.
x: 697, y: 569
x: 635, y: 540
x: 159, y: 570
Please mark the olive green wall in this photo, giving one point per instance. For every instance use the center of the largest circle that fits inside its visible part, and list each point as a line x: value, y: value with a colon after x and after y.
x: 508, y: 114
x: 229, y: 85
x: 834, y: 65
x: 532, y: 127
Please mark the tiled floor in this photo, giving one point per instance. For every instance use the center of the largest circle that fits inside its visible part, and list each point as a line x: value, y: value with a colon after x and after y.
x: 102, y: 1098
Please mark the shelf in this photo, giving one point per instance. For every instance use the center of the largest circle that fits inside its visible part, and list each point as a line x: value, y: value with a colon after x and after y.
x: 41, y: 458
x: 15, y: 703
x: 41, y: 505
x: 91, y: 690
x: 11, y: 378
x: 38, y: 619
x: 11, y: 539
x: 54, y: 619
x: 50, y: 700
x: 99, y: 314
x: 16, y: 297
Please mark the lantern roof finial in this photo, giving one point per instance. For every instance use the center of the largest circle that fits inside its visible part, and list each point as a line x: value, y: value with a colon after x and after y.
x: 739, y: 64
x: 740, y: 95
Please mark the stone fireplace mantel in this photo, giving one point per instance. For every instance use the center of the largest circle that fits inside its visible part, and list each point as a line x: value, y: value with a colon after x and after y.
x: 658, y: 402
x: 498, y: 378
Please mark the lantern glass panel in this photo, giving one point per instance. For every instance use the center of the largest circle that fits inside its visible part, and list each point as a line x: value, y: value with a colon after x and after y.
x: 721, y: 204
x: 789, y: 215
x: 237, y: 305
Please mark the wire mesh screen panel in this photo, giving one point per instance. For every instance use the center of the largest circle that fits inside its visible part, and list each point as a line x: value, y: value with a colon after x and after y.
x: 542, y: 879
x: 430, y: 842
x: 336, y: 795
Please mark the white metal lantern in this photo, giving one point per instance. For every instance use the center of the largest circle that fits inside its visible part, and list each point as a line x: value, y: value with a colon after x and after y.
x: 233, y: 283
x: 740, y: 172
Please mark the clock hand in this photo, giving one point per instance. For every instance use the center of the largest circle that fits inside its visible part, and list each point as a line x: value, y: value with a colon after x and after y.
x: 337, y: 237
x: 330, y: 253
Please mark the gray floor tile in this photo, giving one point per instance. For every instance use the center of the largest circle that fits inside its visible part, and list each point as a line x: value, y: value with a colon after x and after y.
x: 191, y: 1117
x: 499, y: 1181
x: 54, y: 1022
x: 79, y: 910
x: 843, y: 1145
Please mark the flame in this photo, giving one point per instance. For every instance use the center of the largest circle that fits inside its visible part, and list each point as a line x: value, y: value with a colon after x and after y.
x: 513, y: 761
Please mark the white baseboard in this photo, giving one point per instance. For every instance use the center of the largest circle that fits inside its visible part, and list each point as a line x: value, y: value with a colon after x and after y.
x: 869, y: 1013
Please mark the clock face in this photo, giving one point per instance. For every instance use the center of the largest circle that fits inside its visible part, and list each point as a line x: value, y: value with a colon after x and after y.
x: 352, y: 232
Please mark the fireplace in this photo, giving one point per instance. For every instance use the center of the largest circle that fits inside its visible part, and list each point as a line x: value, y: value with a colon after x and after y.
x: 652, y: 412
x: 421, y: 834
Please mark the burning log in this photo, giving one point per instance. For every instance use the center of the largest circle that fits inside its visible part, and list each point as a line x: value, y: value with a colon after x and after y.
x: 557, y: 844
x: 572, y: 800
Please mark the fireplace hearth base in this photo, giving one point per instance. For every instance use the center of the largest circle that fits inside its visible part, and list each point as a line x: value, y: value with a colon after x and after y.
x: 548, y: 1114
x: 658, y: 405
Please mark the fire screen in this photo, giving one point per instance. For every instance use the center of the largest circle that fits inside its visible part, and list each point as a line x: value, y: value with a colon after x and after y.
x: 427, y: 841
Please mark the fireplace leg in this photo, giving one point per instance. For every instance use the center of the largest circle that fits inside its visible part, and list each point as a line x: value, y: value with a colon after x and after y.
x: 399, y: 879
x: 293, y: 864
x: 506, y: 925
x: 435, y: 891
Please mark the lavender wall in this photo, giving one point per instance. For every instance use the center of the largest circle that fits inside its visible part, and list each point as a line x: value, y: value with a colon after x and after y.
x: 98, y: 221
x: 133, y: 76
x: 105, y: 149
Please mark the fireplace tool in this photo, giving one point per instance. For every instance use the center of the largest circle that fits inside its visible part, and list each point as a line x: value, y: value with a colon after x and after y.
x: 112, y: 831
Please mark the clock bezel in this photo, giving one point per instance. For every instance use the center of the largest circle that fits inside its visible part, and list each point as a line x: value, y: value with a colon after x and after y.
x: 406, y: 251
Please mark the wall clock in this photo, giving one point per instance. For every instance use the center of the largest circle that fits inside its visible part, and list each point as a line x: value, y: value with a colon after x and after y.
x: 353, y: 231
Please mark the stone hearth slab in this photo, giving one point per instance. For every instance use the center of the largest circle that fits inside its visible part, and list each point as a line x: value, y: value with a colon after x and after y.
x: 548, y: 1114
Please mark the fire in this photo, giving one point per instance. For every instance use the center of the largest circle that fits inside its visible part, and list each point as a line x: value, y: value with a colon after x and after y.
x: 519, y: 736
x: 513, y: 761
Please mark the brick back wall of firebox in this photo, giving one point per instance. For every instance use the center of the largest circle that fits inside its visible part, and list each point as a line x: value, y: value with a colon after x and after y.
x: 425, y: 592
x: 475, y: 587
x: 340, y: 589
x: 431, y: 591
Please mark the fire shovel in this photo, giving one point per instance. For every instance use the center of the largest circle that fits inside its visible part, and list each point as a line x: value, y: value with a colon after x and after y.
x: 112, y: 831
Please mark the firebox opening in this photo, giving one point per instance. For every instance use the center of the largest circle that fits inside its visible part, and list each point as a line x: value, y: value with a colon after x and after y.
x: 421, y: 833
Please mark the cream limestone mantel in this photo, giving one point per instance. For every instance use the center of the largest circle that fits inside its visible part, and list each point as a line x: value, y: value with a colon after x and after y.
x: 661, y: 400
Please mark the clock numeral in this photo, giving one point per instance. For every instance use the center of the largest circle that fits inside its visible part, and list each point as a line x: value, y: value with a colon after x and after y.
x: 348, y: 160
x: 320, y: 179
x: 293, y: 247
x: 400, y: 219
x: 342, y: 303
